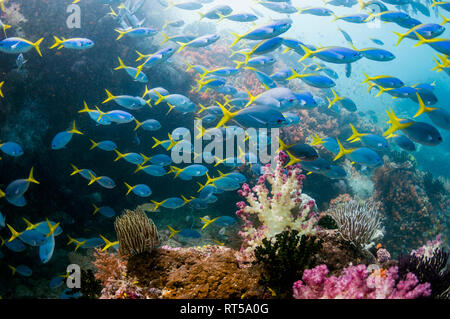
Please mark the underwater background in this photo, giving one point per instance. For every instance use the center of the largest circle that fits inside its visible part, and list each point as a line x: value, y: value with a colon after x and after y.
x: 45, y: 95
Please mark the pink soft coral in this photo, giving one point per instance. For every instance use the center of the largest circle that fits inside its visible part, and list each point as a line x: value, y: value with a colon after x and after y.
x: 355, y: 282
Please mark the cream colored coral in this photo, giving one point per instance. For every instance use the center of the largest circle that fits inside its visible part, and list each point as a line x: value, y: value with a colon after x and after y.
x: 279, y: 209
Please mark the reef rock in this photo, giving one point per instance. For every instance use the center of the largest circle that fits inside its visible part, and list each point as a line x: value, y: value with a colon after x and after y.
x: 194, y: 273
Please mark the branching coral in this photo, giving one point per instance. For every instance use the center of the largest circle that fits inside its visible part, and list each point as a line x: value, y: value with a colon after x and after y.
x: 279, y: 207
x: 136, y: 232
x: 111, y: 271
x: 109, y: 266
x: 356, y: 282
x: 357, y: 222
x: 430, y: 264
x: 285, y: 259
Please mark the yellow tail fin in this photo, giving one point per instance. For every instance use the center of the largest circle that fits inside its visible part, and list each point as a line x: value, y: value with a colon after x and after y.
x: 362, y: 4
x: 368, y: 78
x: 283, y: 146
x: 221, y: 17
x: 107, y: 243
x: 435, y: 3
x: 85, y: 108
x: 401, y: 36
x: 172, y: 231
x: 227, y: 115
x: 14, y: 234
x: 382, y: 90
x: 109, y: 98
x: 157, y: 204
x: 75, y: 170
x: 121, y: 33
x: 13, y: 269
x: 421, y: 41
x: 307, y: 54
x: 51, y: 228
x: 30, y: 225
x: 30, y: 178
x: 93, y: 178
x: 165, y: 38
x: 138, y: 124
x: 239, y: 64
x: 1, y: 85
x: 395, y: 123
x: 94, y: 145
x: 335, y: 99
x: 160, y: 97
x: 316, y: 140
x: 74, y: 129
x: 182, y: 46
x: 157, y: 142
x: 58, y: 42
x: 342, y: 151
x: 141, y: 56
x: 422, y: 107
x: 36, y: 46
x: 119, y: 155
x: 129, y: 187
x: 208, y: 221
x: 238, y: 38
x: 355, y: 135
x: 121, y: 65
x: 189, y: 66
x: 444, y: 19
x: 146, y: 158
x: 292, y: 159
x: 176, y: 170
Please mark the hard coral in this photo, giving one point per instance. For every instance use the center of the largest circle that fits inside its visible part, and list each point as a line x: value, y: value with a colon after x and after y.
x: 194, y: 273
x: 338, y: 253
x: 400, y: 189
x: 111, y: 271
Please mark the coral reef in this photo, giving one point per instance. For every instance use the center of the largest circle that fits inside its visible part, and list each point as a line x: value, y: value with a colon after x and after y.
x: 194, y: 273
x: 136, y: 232
x: 111, y: 271
x: 360, y: 184
x: 13, y: 16
x: 405, y: 203
x: 337, y: 253
x: 357, y: 283
x: 284, y: 258
x: 279, y: 207
x: 327, y: 222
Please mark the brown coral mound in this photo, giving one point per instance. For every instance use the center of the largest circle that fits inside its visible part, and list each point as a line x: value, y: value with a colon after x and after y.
x: 338, y: 253
x: 195, y: 273
x: 406, y: 205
